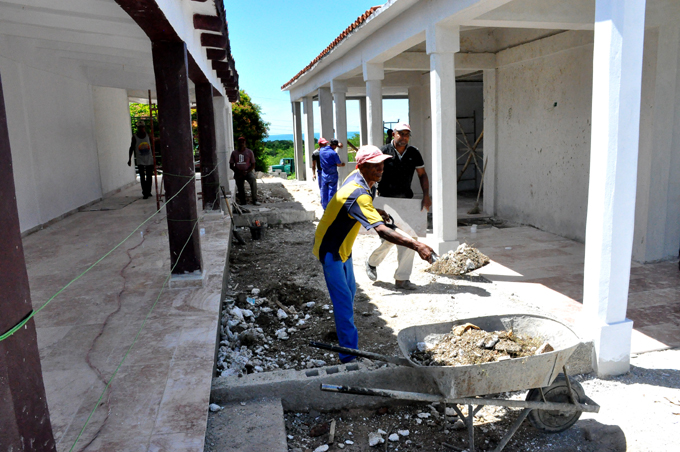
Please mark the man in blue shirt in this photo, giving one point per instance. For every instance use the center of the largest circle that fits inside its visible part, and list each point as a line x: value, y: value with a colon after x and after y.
x: 330, y: 161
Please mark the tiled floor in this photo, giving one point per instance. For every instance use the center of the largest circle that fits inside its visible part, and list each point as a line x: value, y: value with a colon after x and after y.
x: 159, y: 396
x: 549, y: 270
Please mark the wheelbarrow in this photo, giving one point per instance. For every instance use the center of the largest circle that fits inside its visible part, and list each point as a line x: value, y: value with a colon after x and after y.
x: 554, y: 401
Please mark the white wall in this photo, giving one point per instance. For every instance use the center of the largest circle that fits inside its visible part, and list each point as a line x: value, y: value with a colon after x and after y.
x: 51, y: 131
x: 544, y: 106
x: 112, y: 132
x: 657, y: 209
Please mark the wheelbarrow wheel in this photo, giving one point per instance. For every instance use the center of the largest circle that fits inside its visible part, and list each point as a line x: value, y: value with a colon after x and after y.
x: 551, y: 421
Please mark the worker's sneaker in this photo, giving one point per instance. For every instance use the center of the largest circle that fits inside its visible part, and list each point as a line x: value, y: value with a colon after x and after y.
x: 256, y: 203
x: 371, y: 271
x: 405, y: 285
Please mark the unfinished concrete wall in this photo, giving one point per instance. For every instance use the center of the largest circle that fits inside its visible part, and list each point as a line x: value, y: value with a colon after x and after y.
x: 543, y: 133
x: 112, y: 132
x: 657, y: 208
x: 470, y: 111
x: 51, y: 128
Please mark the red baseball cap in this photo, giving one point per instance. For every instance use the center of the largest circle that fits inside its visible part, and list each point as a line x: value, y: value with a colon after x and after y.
x: 370, y: 154
x: 323, y: 141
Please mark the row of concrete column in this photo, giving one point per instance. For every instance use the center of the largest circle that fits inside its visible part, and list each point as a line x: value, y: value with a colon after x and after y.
x: 618, y: 49
x: 442, y: 44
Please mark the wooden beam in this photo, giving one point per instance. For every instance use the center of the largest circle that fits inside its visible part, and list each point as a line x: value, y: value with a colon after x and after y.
x: 213, y: 40
x: 216, y: 54
x: 210, y: 23
x: 174, y: 117
x: 220, y: 65
x: 24, y: 417
x: 210, y: 181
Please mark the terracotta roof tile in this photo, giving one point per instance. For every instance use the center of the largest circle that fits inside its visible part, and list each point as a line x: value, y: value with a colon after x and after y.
x: 357, y: 23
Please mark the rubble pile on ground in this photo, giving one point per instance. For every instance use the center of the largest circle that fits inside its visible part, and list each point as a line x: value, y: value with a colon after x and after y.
x: 468, y: 344
x: 387, y: 428
x: 255, y: 334
x: 243, y: 342
x: 463, y: 260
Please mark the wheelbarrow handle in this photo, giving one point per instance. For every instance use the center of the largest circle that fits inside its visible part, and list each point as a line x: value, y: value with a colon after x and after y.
x: 350, y: 351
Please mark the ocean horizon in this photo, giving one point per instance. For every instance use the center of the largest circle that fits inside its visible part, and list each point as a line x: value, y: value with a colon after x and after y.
x: 289, y: 136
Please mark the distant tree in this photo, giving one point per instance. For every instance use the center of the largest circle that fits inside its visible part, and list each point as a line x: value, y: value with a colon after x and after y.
x: 248, y: 123
x: 356, y: 141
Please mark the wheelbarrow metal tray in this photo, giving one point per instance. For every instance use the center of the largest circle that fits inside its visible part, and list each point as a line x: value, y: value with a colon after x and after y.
x: 502, y: 376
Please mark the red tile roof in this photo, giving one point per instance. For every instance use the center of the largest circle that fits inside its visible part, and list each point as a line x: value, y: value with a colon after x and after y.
x: 357, y: 23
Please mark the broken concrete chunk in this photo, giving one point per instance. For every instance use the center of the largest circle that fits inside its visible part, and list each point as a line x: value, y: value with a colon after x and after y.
x: 281, y: 334
x: 403, y: 432
x: 491, y: 342
x: 393, y: 437
x: 236, y: 313
x: 215, y: 407
x: 281, y: 314
x: 322, y: 448
x: 460, y: 329
x: 507, y: 346
x: 545, y: 348
x: 374, y: 438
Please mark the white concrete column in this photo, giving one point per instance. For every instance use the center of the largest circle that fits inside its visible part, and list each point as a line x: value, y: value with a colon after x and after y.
x: 373, y: 76
x: 617, y: 74
x: 326, y: 113
x: 363, y: 126
x: 489, y: 143
x: 300, y: 173
x: 220, y: 105
x: 339, y: 91
x: 442, y: 43
x: 308, y: 124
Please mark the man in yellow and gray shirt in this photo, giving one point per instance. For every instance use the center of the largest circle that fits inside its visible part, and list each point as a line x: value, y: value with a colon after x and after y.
x: 349, y: 209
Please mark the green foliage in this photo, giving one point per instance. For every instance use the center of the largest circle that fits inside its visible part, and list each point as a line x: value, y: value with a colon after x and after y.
x: 140, y: 112
x: 356, y: 141
x: 276, y: 150
x: 248, y: 123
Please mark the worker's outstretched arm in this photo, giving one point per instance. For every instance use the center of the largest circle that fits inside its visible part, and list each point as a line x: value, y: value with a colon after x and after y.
x: 425, y: 252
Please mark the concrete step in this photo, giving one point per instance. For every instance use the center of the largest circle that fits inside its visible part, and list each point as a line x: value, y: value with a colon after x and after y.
x: 252, y: 426
x: 273, y: 214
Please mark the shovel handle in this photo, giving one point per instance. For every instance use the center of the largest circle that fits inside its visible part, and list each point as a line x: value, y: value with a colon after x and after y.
x: 351, y: 351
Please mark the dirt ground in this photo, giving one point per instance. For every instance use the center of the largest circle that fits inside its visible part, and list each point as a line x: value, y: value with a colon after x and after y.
x: 278, y: 302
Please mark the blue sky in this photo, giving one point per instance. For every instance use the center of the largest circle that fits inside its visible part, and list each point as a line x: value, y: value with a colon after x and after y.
x: 271, y: 41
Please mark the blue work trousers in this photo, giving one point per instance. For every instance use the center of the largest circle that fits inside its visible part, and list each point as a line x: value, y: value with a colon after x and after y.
x: 329, y: 185
x: 342, y: 287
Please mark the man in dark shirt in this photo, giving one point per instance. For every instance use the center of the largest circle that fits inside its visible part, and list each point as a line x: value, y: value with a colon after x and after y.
x: 143, y: 152
x: 396, y: 183
x: 242, y: 163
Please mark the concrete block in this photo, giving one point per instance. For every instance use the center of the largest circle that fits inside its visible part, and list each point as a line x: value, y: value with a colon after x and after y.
x: 300, y: 390
x: 188, y: 281
x: 581, y: 361
x: 612, y: 348
x: 251, y: 426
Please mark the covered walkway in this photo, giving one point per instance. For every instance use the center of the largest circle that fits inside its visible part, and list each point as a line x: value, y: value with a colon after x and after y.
x: 158, y: 399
